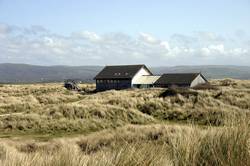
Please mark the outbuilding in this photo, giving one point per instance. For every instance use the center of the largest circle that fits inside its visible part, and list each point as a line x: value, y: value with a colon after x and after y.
x: 180, y: 80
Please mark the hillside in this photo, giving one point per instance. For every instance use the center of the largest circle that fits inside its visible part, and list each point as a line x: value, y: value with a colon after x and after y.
x: 22, y: 73
x: 210, y: 71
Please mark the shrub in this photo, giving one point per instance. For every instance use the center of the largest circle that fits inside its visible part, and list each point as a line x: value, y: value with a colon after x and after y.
x: 28, y: 148
x: 206, y: 86
x: 178, y: 90
x: 218, y: 95
x: 149, y: 108
x: 228, y: 82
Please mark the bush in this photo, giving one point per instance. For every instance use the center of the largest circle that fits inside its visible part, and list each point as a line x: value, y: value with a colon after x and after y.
x: 228, y: 82
x: 28, y: 148
x: 149, y: 108
x: 206, y: 86
x: 178, y: 90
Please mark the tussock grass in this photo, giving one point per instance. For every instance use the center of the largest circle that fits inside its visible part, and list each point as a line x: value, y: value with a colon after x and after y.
x: 227, y: 146
x: 206, y: 86
x: 50, y: 108
x: 203, y: 126
x: 138, y: 145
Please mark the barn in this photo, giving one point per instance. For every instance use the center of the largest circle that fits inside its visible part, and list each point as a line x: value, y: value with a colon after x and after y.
x: 180, y: 80
x: 124, y: 76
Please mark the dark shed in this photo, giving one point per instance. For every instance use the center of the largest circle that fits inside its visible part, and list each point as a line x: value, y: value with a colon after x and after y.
x: 180, y: 79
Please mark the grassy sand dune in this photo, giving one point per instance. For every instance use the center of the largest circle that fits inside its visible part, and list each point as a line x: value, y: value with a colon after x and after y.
x: 44, y: 124
x: 136, y: 145
x: 49, y: 108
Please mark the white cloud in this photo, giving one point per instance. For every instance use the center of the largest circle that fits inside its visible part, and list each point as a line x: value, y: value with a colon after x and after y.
x: 217, y: 48
x: 4, y: 30
x: 91, y: 36
x: 48, y: 41
x: 165, y: 45
x: 36, y: 45
x: 208, y: 37
x: 148, y: 38
x: 205, y: 51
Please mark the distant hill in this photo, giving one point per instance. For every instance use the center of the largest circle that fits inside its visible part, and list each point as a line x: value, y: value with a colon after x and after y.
x: 23, y: 73
x: 210, y: 71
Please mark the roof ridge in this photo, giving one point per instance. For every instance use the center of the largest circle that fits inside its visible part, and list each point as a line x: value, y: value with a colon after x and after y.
x: 184, y: 73
x: 127, y: 65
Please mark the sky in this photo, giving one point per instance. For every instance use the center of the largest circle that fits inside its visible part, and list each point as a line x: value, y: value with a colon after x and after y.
x: 106, y: 32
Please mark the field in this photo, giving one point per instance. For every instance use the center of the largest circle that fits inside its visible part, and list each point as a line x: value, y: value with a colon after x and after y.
x: 45, y: 124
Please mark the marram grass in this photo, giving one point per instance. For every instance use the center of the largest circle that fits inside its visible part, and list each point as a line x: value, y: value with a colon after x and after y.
x: 203, y: 126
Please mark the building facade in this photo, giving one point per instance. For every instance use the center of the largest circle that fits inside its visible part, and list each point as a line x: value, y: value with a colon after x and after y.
x: 120, y: 77
x: 139, y: 76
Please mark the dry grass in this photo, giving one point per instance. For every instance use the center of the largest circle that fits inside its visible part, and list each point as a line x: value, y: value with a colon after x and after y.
x: 167, y: 133
x: 137, y: 145
x: 49, y: 108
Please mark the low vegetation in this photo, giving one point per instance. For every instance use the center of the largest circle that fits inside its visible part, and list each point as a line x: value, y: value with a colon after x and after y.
x: 137, y: 145
x: 45, y: 124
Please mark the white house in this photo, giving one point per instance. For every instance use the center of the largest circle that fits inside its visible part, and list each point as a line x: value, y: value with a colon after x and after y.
x: 123, y: 77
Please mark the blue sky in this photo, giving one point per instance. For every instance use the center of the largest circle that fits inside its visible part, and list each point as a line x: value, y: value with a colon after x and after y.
x: 159, y: 32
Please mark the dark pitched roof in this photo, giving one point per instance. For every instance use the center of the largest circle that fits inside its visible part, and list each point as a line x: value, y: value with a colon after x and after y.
x: 178, y: 78
x: 120, y: 72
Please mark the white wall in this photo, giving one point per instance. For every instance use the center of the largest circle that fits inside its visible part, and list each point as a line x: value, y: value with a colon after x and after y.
x: 198, y: 80
x: 140, y: 73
